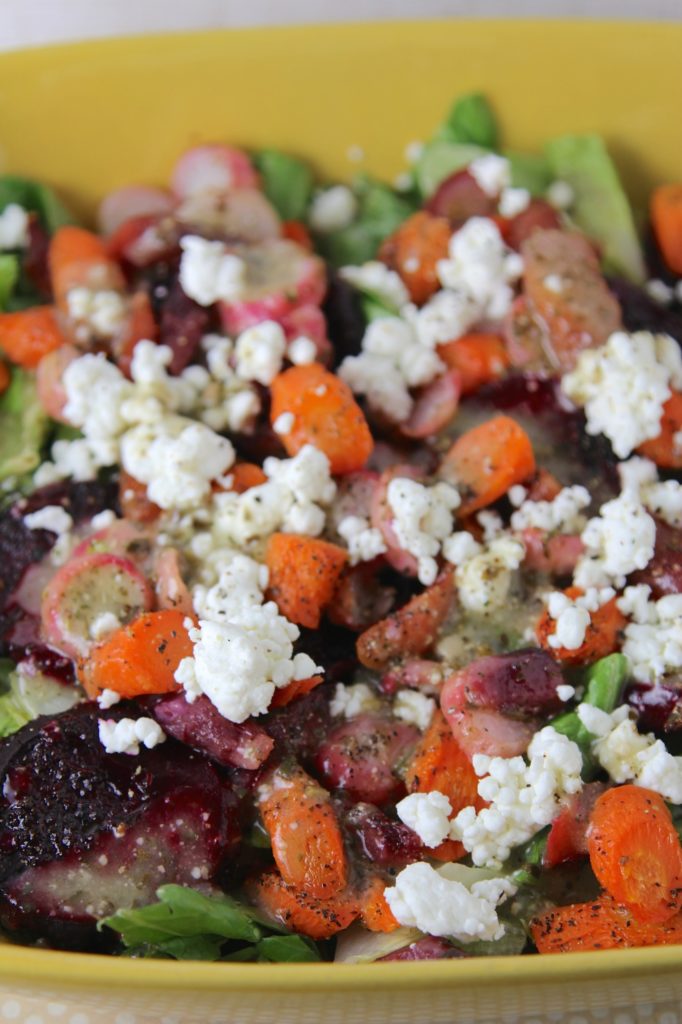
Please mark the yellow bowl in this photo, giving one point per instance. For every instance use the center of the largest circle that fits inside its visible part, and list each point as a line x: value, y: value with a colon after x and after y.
x: 92, y: 116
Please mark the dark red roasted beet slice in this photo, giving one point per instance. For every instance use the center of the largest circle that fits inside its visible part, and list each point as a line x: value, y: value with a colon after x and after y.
x: 181, y: 326
x: 362, y: 756
x: 385, y: 842
x: 35, y: 256
x: 332, y: 647
x: 428, y: 948
x: 538, y: 215
x: 664, y: 572
x: 346, y: 322
x: 361, y: 599
x: 460, y: 197
x: 642, y: 313
x: 658, y: 705
x: 299, y: 728
x: 200, y: 725
x: 81, y: 500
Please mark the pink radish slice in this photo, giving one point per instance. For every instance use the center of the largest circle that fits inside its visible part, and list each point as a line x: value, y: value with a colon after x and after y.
x: 132, y: 201
x: 354, y: 495
x: 382, y: 518
x: 309, y: 321
x: 435, y: 406
x: 244, y: 215
x: 49, y: 380
x: 280, y: 277
x: 460, y: 197
x: 84, y: 590
x: 418, y: 674
x: 212, y: 168
x: 483, y: 731
x: 123, y: 538
x: 171, y: 589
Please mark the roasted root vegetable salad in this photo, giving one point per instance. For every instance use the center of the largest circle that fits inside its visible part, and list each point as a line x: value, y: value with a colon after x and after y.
x: 341, y: 559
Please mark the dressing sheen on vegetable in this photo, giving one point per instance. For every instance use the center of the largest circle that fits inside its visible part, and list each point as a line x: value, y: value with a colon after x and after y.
x: 341, y: 545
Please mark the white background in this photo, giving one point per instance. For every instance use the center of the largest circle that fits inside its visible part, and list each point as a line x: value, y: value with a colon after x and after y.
x: 27, y: 22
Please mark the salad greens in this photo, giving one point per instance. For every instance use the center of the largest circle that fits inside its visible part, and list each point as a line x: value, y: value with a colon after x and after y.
x: 23, y: 426
x: 604, y: 683
x: 380, y: 211
x: 470, y: 120
x: 37, y: 198
x: 287, y: 182
x: 23, y: 698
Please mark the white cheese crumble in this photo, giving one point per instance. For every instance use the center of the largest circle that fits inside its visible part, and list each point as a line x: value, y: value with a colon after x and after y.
x: 333, y: 209
x: 423, y: 898
x: 663, y: 498
x: 103, y: 519
x: 209, y: 272
x: 107, y: 699
x: 364, y: 542
x: 260, y: 351
x: 554, y: 283
x: 653, y: 637
x: 628, y: 756
x: 14, y: 227
x: 414, y: 707
x: 427, y: 814
x: 376, y: 278
x: 354, y: 700
x: 284, y: 423
x: 484, y: 573
x: 572, y: 615
x: 422, y: 520
x: 302, y: 351
x: 563, y: 514
x: 491, y: 173
x: 623, y: 386
x: 126, y: 735
x: 560, y: 195
x: 481, y: 267
x: 617, y: 542
x: 659, y: 291
x: 522, y: 797
x: 52, y: 517
x: 102, y: 625
x: 565, y: 692
x: 99, y: 313
x: 513, y: 201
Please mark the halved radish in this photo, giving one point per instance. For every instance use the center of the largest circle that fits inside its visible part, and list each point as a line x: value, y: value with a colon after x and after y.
x: 212, y: 168
x: 382, y: 518
x: 83, y: 592
x: 49, y: 380
x: 243, y: 215
x: 171, y: 589
x: 143, y: 240
x: 460, y: 197
x: 484, y: 731
x: 124, y: 539
x: 280, y: 276
x: 132, y: 201
x: 309, y: 322
x: 435, y: 406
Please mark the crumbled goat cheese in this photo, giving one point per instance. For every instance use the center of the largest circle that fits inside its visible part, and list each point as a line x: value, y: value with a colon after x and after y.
x: 517, y: 495
x: 244, y: 650
x: 560, y: 195
x: 491, y: 173
x: 103, y: 520
x: 260, y: 352
x: 662, y: 498
x: 659, y: 291
x: 422, y: 520
x: 423, y: 898
x: 561, y: 515
x: 513, y: 201
x: 107, y: 699
x: 572, y: 615
x: 460, y: 547
x: 364, y: 542
x: 284, y: 423
x: 522, y: 798
x: 617, y: 542
x: 554, y: 283
x: 628, y: 756
x: 351, y: 701
x: 623, y: 386
x: 209, y: 272
x: 481, y: 267
x: 414, y: 707
x: 97, y: 313
x: 491, y: 524
x: 102, y: 625
x: 52, y: 517
x: 413, y: 151
x: 95, y: 390
x: 427, y: 814
x: 447, y: 315
x: 302, y: 351
x: 565, y: 692
x: 14, y: 227
x: 653, y: 637
x: 484, y: 574
x: 333, y: 209
x: 376, y: 278
x: 126, y: 735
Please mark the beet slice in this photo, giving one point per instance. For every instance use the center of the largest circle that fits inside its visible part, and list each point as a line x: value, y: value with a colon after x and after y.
x: 200, y: 725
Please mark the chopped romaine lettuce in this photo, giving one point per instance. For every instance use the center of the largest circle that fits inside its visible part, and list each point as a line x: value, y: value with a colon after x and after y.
x: 358, y: 946
x: 23, y: 426
x: 529, y: 170
x: 439, y: 160
x: 9, y: 275
x: 27, y: 697
x: 287, y: 182
x: 470, y: 120
x: 601, y: 208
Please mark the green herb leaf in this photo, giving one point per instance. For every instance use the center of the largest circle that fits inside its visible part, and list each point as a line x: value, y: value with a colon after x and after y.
x: 288, y: 949
x: 190, y: 947
x: 287, y: 182
x: 470, y: 120
x: 38, y: 198
x: 380, y: 211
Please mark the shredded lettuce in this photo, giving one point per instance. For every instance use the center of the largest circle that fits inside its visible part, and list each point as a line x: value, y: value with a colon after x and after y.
x: 23, y: 426
x: 287, y: 182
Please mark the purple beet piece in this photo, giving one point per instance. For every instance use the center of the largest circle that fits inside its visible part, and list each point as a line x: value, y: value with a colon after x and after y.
x: 182, y: 324
x: 524, y: 682
x: 642, y: 313
x: 35, y: 257
x: 428, y: 948
x: 19, y: 548
x: 200, y: 725
x: 81, y: 500
x: 361, y: 756
x: 346, y: 322
x: 383, y: 841
x: 658, y: 705
x: 299, y: 727
x: 664, y: 572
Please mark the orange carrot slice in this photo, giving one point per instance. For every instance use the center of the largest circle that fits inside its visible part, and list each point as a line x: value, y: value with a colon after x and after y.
x: 666, y: 217
x: 602, y: 636
x: 299, y: 911
x: 480, y: 358
x: 29, y: 334
x: 599, y: 924
x: 303, y: 573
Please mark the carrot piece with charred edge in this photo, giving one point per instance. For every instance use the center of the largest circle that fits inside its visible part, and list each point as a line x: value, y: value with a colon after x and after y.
x: 139, y: 658
x: 79, y: 258
x: 602, y: 636
x: 303, y: 573
x: 375, y: 913
x: 410, y: 630
x: 635, y: 852
x: 666, y: 217
x: 413, y: 251
x: 299, y: 911
x: 487, y: 460
x: 297, y: 688
x: 132, y: 497
x: 664, y: 450
x: 325, y: 414
x: 306, y: 838
x: 599, y: 924
x: 480, y: 359
x: 29, y: 334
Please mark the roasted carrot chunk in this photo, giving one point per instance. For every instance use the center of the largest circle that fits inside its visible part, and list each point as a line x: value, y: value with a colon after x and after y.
x: 664, y: 450
x: 600, y: 924
x: 303, y: 573
x: 375, y: 912
x: 132, y: 496
x: 666, y: 217
x: 299, y: 911
x: 306, y: 839
x: 602, y: 636
x: 480, y: 359
x: 139, y: 658
x: 635, y: 852
x: 246, y: 475
x: 29, y: 334
x: 79, y: 258
x: 324, y: 413
x: 487, y: 460
x: 297, y: 688
x: 413, y: 251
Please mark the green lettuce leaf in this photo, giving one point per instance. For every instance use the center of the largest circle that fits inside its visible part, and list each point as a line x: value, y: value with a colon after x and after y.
x: 439, y: 160
x: 529, y: 170
x: 470, y: 120
x: 601, y: 208
x: 288, y: 949
x: 9, y: 275
x: 23, y: 698
x: 287, y: 182
x: 38, y: 198
x: 23, y: 426
x: 380, y: 211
